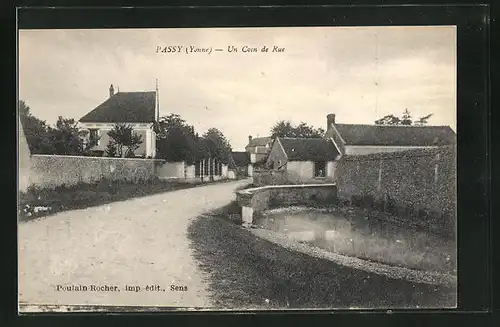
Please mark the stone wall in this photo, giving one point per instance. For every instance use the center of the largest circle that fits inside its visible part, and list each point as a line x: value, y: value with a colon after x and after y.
x: 270, y: 177
x: 54, y: 170
x: 292, y: 177
x: 256, y: 200
x: 416, y: 184
x: 49, y: 171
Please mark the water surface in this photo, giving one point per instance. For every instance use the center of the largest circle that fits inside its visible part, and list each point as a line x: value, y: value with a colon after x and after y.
x: 353, y: 233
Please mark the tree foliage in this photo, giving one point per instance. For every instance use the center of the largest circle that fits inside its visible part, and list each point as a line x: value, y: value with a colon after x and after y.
x: 123, y: 140
x: 422, y: 120
x: 64, y: 138
x: 286, y: 129
x: 217, y: 145
x: 111, y: 150
x: 406, y: 119
x: 35, y: 130
x: 388, y: 120
x: 178, y: 141
x: 67, y: 139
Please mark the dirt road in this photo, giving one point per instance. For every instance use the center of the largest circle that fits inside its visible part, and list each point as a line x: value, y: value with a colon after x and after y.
x: 134, y: 252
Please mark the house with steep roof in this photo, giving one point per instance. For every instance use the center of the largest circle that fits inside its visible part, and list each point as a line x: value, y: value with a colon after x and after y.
x: 137, y: 109
x: 359, y: 139
x: 304, y: 159
x: 258, y: 148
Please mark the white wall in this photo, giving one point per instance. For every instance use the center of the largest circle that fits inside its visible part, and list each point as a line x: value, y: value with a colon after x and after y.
x: 367, y: 149
x: 153, y: 142
x: 331, y: 167
x: 224, y: 171
x: 190, y: 170
x: 150, y: 143
x: 170, y: 170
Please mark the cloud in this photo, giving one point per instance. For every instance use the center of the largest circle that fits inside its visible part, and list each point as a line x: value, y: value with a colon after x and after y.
x: 358, y: 73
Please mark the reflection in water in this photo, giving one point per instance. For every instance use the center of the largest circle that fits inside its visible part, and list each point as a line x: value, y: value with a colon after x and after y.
x: 370, y: 239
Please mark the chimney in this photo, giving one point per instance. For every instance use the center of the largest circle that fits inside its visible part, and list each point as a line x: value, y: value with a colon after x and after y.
x: 249, y: 138
x: 330, y: 119
x: 111, y: 91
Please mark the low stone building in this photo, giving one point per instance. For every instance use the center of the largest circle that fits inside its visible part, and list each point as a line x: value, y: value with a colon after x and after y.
x: 304, y: 159
x: 360, y: 139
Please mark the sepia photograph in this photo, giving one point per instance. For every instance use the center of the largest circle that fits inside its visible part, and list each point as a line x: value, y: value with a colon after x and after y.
x: 237, y: 169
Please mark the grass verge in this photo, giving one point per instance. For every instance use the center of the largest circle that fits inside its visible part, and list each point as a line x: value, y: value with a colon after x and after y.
x: 83, y: 195
x: 248, y: 272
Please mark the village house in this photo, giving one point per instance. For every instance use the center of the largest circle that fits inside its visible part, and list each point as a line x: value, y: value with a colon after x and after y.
x: 304, y: 159
x: 258, y: 148
x: 137, y: 109
x: 358, y: 139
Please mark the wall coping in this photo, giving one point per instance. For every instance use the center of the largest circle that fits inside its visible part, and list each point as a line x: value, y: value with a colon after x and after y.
x: 250, y: 191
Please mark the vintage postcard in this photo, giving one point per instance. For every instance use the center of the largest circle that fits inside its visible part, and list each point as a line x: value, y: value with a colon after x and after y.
x: 237, y: 168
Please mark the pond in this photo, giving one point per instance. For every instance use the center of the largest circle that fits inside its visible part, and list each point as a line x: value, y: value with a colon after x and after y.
x: 351, y: 232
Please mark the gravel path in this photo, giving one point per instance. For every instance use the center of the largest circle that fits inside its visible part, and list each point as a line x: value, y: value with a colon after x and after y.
x: 138, y: 242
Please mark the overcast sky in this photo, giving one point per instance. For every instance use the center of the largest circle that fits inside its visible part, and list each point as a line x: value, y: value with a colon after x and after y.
x: 360, y: 74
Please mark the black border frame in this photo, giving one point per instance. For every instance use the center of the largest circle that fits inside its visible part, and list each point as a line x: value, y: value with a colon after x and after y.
x: 473, y: 106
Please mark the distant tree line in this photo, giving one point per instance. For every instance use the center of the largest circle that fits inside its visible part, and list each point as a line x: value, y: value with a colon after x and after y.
x: 286, y: 129
x: 178, y: 141
x: 405, y: 119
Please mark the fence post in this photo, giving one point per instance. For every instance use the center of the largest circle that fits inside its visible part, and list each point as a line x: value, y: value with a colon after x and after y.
x: 202, y: 168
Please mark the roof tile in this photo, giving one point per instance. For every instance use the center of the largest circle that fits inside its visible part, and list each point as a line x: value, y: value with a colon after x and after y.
x: 354, y: 134
x: 125, y: 107
x: 302, y: 149
x: 260, y: 141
